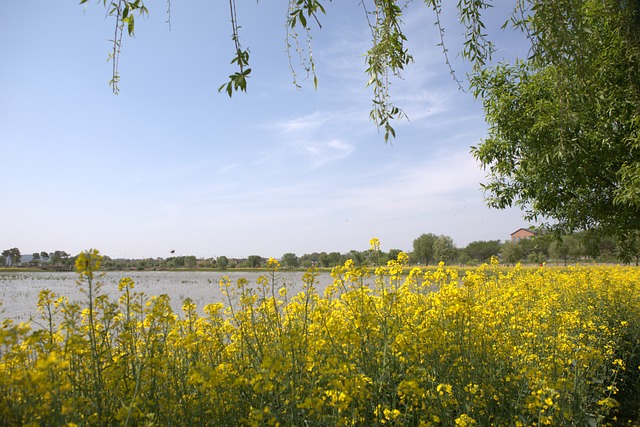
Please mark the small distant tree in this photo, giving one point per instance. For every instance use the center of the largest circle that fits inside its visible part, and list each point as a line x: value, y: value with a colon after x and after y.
x: 482, y: 250
x: 534, y: 249
x: 610, y: 249
x: 358, y: 257
x: 308, y: 260
x: 335, y: 258
x: 6, y: 257
x: 35, y: 258
x: 254, y: 261
x: 393, y: 253
x: 511, y: 252
x: 44, y: 256
x: 423, y: 248
x: 565, y: 248
x: 190, y: 261
x: 12, y: 256
x: 59, y: 257
x: 290, y: 260
x: 324, y: 260
x: 222, y: 262
x: 206, y: 263
x: 464, y: 258
x: 444, y: 249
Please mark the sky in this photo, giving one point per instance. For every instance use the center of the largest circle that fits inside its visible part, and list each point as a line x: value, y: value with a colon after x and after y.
x: 170, y: 164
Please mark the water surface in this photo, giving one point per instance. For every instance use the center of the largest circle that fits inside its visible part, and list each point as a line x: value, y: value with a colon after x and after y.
x: 19, y: 290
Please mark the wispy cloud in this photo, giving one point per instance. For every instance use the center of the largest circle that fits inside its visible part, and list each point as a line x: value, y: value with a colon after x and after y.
x: 302, y: 125
x: 318, y: 138
x: 323, y: 152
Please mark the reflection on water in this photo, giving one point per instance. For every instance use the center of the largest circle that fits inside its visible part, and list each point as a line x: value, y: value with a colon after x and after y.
x: 19, y: 291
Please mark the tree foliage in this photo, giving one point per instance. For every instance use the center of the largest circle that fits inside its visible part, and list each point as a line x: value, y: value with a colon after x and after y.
x: 565, y: 248
x: 290, y: 260
x: 11, y: 256
x: 222, y: 262
x: 482, y: 250
x: 563, y: 139
x: 254, y: 261
x: 511, y: 252
x: 444, y: 249
x: 423, y: 250
x: 386, y: 57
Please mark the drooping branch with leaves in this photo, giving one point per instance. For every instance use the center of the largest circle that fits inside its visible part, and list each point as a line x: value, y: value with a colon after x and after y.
x: 386, y: 59
x: 564, y: 120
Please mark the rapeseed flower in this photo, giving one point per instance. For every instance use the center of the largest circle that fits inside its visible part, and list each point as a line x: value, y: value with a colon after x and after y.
x: 490, y: 346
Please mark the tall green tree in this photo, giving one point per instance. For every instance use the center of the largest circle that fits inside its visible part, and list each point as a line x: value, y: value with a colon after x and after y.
x: 444, y: 249
x: 330, y: 259
x: 359, y: 258
x: 482, y: 250
x: 12, y: 256
x: 511, y: 252
x: 563, y: 138
x: 423, y: 250
x: 393, y: 254
x: 566, y: 248
x: 290, y: 260
x: 222, y: 262
x: 58, y: 257
x: 254, y: 261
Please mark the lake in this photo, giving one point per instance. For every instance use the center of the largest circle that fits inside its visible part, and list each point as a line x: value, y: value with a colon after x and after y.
x: 19, y: 290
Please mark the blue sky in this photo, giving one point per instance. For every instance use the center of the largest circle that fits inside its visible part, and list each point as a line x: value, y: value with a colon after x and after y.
x: 171, y: 164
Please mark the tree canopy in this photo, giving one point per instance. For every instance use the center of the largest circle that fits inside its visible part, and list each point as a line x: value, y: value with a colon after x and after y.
x: 563, y: 138
x: 423, y: 247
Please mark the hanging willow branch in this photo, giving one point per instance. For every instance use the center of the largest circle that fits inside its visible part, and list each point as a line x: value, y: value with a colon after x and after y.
x: 297, y: 15
x: 238, y: 80
x: 387, y: 57
x: 123, y: 12
x: 385, y: 60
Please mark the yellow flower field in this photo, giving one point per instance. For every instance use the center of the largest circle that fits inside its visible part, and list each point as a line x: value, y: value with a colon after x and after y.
x: 382, y: 346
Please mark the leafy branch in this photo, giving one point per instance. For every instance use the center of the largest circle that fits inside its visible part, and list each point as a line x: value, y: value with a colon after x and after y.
x: 385, y: 60
x: 238, y: 80
x: 123, y: 11
x: 298, y: 13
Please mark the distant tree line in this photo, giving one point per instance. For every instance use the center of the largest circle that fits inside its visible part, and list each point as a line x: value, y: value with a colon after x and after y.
x: 56, y: 259
x: 428, y: 249
x: 546, y: 246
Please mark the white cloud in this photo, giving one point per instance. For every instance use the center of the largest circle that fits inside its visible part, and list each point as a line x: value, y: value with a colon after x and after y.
x: 323, y: 152
x: 303, y: 124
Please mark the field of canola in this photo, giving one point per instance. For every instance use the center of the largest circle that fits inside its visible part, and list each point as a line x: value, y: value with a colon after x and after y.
x: 381, y: 346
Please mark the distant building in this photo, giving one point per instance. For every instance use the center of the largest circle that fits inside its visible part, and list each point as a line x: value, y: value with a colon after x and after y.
x: 522, y: 233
